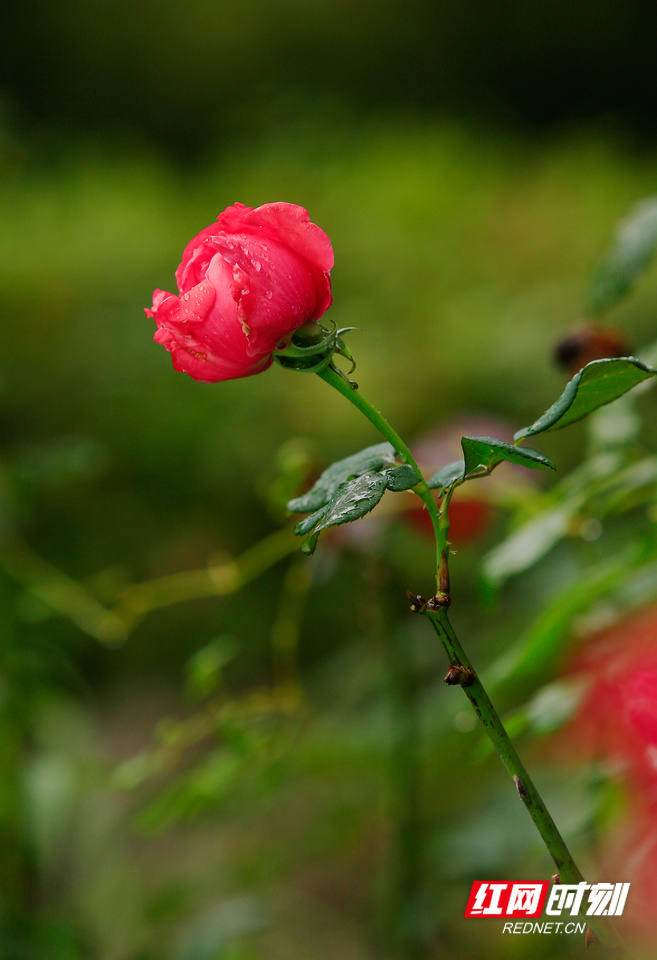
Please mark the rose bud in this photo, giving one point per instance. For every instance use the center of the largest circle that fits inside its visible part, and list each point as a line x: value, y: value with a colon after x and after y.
x: 246, y: 283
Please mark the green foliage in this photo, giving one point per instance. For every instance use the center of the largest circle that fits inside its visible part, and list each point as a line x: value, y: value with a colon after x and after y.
x: 486, y: 453
x: 372, y: 458
x: 349, y: 489
x: 630, y: 254
x: 608, y: 483
x: 205, y: 667
x: 542, y: 644
x: 125, y: 480
x: 595, y: 385
x: 447, y: 476
x: 398, y: 479
x: 350, y: 501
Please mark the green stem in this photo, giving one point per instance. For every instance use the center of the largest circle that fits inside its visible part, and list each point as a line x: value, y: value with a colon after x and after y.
x: 436, y: 612
x: 334, y: 379
x: 567, y: 869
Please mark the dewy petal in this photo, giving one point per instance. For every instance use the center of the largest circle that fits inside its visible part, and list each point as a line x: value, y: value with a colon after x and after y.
x: 200, y: 342
x: 158, y: 297
x: 196, y: 258
x: 286, y: 222
x: 206, y: 366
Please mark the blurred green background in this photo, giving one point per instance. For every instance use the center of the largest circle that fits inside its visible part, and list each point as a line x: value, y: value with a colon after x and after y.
x: 293, y: 778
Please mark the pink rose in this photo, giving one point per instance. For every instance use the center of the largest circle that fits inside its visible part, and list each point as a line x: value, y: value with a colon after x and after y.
x: 616, y: 722
x: 246, y: 284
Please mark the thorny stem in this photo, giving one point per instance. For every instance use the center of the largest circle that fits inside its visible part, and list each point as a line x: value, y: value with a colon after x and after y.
x: 474, y: 690
x: 461, y: 670
x: 566, y: 867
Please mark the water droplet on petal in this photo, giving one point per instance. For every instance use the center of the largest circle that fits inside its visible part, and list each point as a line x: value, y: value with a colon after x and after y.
x: 257, y: 266
x: 269, y: 294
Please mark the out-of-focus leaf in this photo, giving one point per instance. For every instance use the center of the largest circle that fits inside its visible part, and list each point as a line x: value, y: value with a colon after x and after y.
x: 370, y: 459
x: 550, y: 708
x: 610, y: 482
x: 205, y: 667
x: 615, y: 425
x: 50, y: 789
x: 596, y: 384
x: 630, y: 487
x: 538, y: 650
x: 205, y: 786
x: 633, y: 247
x: 351, y: 500
x: 529, y: 542
x: 215, y: 932
x: 487, y: 451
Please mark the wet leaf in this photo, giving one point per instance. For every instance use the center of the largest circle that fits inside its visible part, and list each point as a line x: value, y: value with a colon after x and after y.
x: 370, y: 459
x: 446, y: 476
x: 596, y: 384
x: 350, y: 501
x: 402, y: 477
x: 485, y: 452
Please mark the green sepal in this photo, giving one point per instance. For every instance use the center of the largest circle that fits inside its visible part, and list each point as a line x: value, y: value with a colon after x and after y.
x: 351, y: 500
x: 372, y: 458
x: 312, y: 347
x: 310, y: 364
x: 596, y: 384
x: 486, y: 452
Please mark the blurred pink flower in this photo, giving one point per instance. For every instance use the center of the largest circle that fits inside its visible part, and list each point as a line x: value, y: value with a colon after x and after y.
x: 617, y: 718
x: 616, y: 723
x: 473, y: 505
x: 245, y: 284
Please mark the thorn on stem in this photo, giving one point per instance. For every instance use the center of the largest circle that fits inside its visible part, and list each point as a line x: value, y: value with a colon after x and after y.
x: 523, y: 793
x: 590, y: 938
x: 459, y: 676
x: 418, y: 603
